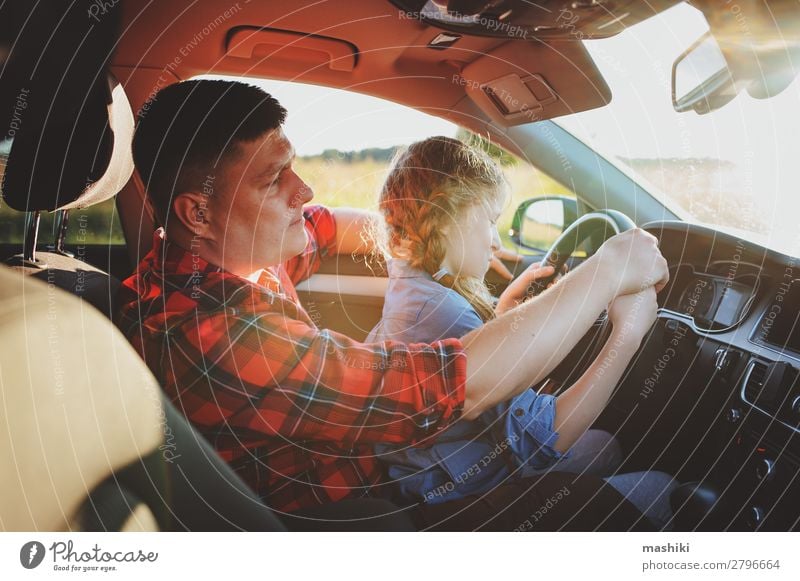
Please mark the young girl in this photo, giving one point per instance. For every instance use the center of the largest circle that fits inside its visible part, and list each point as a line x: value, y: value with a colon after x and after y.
x: 441, y: 201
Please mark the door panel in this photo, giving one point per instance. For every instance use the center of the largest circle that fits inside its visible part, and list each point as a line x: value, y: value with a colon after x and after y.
x: 349, y: 304
x: 346, y: 294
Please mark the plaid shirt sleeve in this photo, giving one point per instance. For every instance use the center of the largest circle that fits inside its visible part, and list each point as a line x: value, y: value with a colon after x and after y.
x: 321, y: 229
x: 266, y: 372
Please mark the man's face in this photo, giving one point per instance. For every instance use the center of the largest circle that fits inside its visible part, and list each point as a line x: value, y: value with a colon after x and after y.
x: 257, y: 219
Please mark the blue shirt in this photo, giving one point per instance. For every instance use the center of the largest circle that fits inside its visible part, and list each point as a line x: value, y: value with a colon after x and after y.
x: 470, y: 457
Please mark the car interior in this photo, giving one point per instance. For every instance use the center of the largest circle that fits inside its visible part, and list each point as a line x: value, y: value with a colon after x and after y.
x: 712, y: 397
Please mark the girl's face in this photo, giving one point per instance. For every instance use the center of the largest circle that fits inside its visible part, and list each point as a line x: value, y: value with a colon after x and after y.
x: 471, y: 241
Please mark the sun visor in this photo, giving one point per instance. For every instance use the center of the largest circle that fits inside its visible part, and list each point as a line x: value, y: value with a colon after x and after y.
x: 521, y: 82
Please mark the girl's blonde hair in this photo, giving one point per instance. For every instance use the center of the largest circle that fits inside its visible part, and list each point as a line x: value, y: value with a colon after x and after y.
x: 430, y: 184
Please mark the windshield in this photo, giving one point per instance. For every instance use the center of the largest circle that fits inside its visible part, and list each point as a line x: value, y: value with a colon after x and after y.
x: 737, y: 168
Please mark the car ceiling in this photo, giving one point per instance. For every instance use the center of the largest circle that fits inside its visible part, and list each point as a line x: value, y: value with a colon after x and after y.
x: 371, y: 48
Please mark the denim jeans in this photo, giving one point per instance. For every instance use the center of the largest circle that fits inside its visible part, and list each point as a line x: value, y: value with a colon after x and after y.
x: 598, y: 453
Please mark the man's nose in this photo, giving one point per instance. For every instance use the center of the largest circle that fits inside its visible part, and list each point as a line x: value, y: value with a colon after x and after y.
x: 306, y: 193
x: 302, y: 193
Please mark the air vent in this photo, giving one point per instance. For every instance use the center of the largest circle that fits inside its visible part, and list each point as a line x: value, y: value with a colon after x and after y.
x: 770, y: 388
x: 753, y: 382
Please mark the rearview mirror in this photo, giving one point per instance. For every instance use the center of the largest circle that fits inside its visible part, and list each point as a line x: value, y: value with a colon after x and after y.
x: 538, y: 222
x: 701, y: 79
x: 710, y: 73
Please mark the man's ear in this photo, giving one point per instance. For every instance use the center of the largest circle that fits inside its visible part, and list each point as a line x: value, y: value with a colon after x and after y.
x: 192, y: 211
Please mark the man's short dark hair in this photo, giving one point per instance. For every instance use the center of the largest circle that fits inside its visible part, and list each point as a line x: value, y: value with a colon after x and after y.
x: 190, y: 130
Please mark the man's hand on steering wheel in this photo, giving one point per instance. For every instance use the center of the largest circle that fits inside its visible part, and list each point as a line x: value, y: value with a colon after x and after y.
x: 630, y: 258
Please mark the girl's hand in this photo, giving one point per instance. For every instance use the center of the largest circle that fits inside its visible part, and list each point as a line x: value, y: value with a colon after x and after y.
x: 517, y: 291
x: 497, y: 262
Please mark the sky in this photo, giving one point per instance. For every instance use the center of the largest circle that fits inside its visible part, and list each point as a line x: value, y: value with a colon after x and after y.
x: 321, y: 118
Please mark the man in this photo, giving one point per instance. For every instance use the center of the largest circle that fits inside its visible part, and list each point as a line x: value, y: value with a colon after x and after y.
x: 293, y: 408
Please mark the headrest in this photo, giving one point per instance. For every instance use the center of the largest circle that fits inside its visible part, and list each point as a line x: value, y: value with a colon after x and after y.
x: 65, y: 118
x: 64, y: 162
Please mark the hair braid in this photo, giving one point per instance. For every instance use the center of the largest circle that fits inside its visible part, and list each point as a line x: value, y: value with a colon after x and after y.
x: 430, y: 184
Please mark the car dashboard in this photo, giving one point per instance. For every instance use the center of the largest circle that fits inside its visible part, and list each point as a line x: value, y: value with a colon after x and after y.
x: 713, y: 395
x: 716, y: 298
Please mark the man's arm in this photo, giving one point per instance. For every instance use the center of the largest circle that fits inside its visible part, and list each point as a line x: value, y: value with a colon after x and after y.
x: 578, y: 407
x: 261, y: 366
x: 354, y: 230
x: 522, y: 346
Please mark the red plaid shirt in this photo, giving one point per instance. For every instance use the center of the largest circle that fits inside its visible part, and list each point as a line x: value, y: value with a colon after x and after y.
x: 294, y: 409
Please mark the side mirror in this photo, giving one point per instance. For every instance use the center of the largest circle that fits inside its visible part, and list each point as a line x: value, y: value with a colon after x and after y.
x: 539, y: 221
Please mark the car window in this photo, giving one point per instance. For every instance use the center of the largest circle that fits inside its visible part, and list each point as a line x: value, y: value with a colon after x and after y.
x: 344, y: 156
x: 98, y: 224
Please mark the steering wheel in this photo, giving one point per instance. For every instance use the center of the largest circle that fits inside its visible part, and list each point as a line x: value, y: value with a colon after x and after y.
x: 602, y: 222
